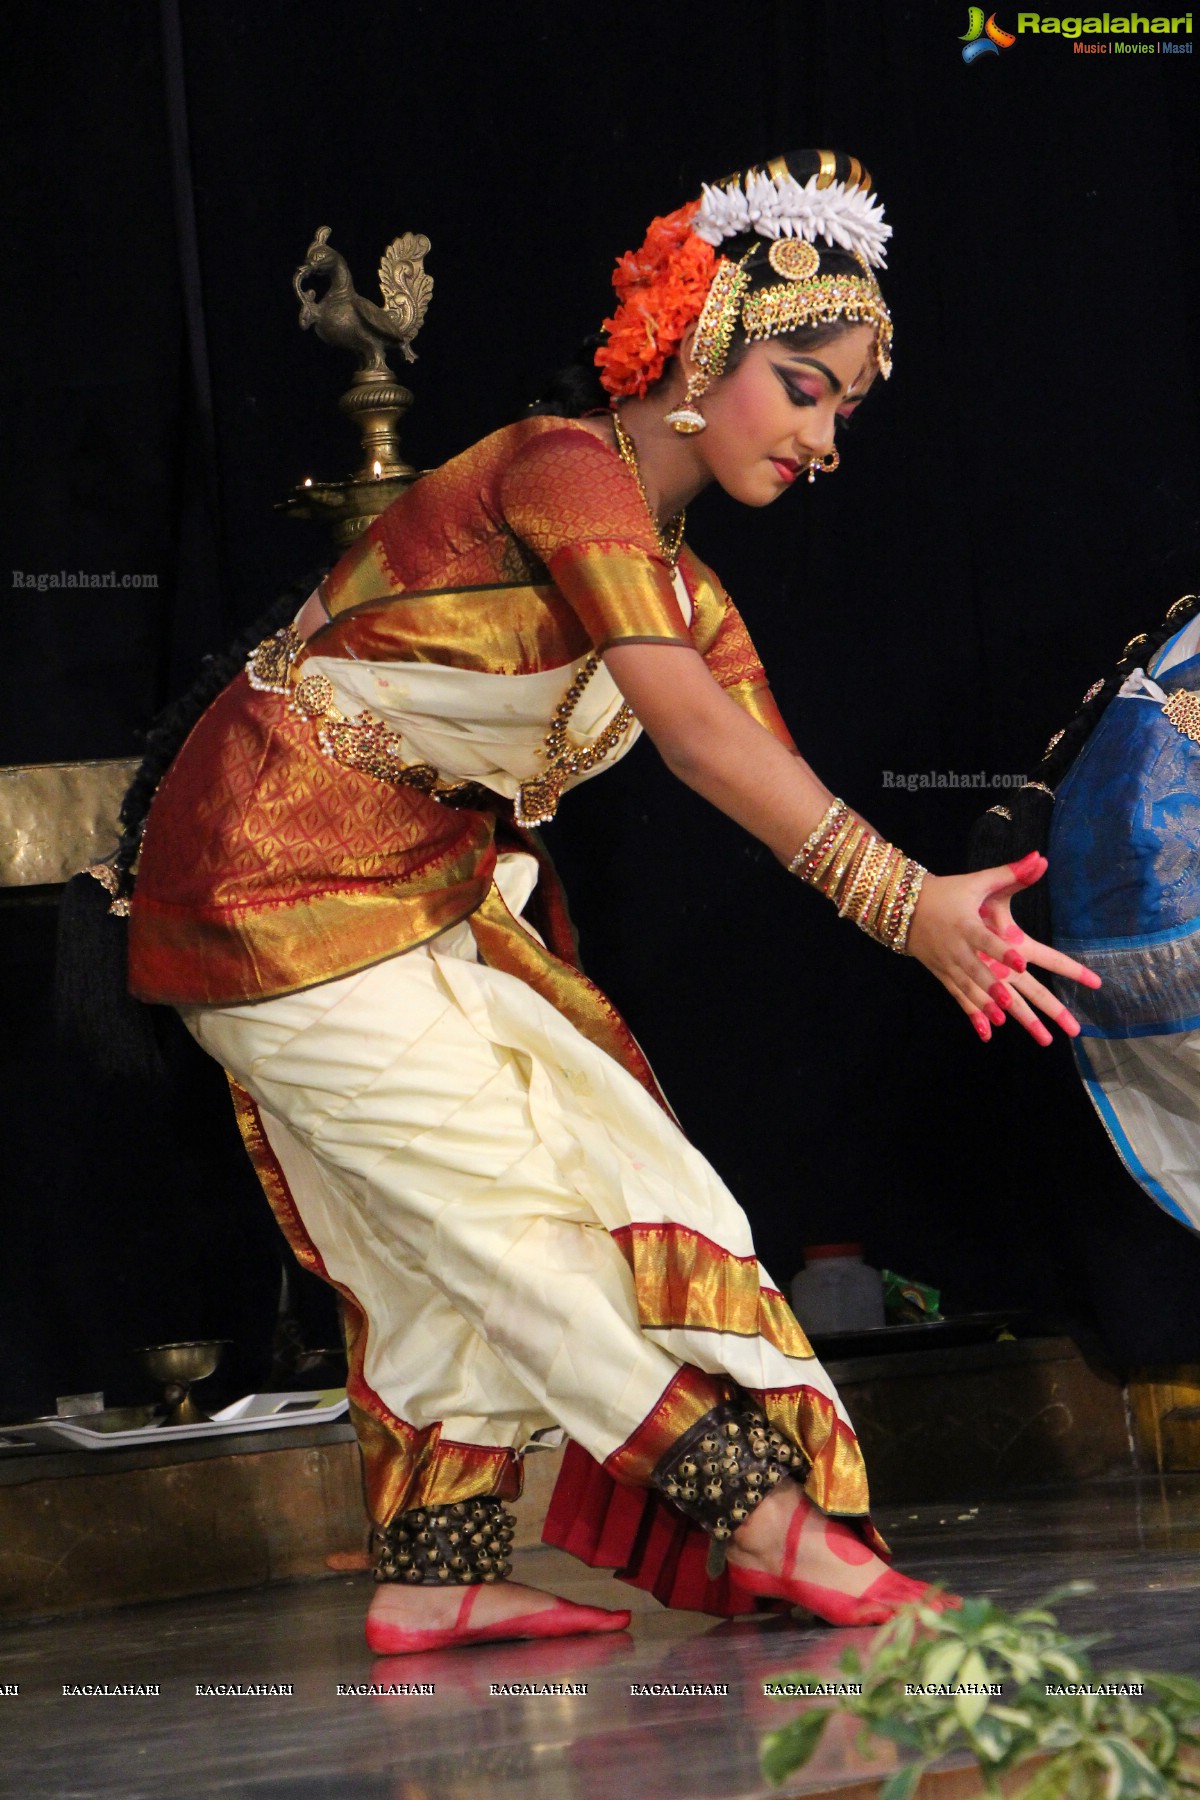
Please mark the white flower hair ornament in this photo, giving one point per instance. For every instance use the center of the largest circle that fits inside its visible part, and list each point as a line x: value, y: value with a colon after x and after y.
x: 776, y: 206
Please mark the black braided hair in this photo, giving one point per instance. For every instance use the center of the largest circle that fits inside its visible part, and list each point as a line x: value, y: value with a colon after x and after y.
x: 1008, y: 832
x: 96, y: 1016
x: 576, y: 388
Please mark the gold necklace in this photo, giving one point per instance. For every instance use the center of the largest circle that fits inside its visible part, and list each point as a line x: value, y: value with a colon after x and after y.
x: 670, y: 536
x: 537, y: 799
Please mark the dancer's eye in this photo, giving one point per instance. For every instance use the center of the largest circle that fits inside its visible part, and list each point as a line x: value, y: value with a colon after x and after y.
x: 797, y: 395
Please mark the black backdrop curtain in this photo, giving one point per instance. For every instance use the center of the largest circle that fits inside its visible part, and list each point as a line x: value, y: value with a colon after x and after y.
x: 1019, y: 500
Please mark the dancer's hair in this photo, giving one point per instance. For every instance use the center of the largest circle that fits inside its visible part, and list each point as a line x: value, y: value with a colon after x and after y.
x: 1008, y: 832
x: 95, y: 1013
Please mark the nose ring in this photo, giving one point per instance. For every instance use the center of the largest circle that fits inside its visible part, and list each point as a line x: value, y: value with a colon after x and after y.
x: 827, y: 464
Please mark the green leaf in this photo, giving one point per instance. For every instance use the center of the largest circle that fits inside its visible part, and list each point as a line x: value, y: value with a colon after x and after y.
x: 1050, y: 1781
x: 1154, y: 1732
x: 791, y: 1747
x: 1025, y: 1665
x: 1065, y: 1667
x: 1068, y: 1590
x: 972, y: 1614
x: 1058, y: 1733
x: 992, y: 1737
x: 1181, y: 1688
x: 1129, y: 1776
x: 1017, y: 1717
x: 973, y: 1673
x: 903, y: 1783
x: 941, y: 1662
x: 897, y: 1731
x: 945, y: 1729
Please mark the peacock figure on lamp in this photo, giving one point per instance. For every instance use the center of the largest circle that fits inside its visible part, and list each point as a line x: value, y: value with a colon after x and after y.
x: 375, y: 400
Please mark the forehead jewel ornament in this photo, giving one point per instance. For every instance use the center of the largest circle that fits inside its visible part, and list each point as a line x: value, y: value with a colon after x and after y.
x: 794, y: 258
x: 772, y: 204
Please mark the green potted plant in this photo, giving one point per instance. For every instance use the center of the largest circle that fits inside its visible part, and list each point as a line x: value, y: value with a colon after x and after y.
x: 1014, y: 1692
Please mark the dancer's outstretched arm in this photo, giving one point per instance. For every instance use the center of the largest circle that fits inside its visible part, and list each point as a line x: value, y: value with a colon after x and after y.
x: 963, y: 930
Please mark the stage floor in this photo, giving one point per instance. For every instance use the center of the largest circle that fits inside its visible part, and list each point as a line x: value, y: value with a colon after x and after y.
x: 1138, y: 1540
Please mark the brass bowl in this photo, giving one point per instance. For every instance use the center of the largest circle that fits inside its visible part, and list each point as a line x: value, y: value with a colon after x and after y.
x: 177, y: 1366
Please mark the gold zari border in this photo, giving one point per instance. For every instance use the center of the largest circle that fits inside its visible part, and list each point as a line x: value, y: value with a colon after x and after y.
x: 497, y: 630
x: 214, y: 956
x: 620, y: 591
x: 682, y: 1404
x: 685, y: 1281
x: 837, y: 1480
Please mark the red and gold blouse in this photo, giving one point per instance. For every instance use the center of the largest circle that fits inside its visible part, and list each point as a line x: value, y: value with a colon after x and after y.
x: 274, y: 859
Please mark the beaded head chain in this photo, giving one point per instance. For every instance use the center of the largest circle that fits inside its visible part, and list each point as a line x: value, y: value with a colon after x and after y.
x: 681, y: 276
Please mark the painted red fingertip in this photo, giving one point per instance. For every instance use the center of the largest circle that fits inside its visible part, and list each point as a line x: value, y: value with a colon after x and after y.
x: 1040, y: 1035
x: 1016, y: 962
x: 1013, y: 934
x: 1068, y: 1022
x: 981, y: 1025
x: 1000, y: 994
x: 994, y: 1014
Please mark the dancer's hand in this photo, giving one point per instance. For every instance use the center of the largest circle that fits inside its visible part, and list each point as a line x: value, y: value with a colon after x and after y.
x: 964, y: 932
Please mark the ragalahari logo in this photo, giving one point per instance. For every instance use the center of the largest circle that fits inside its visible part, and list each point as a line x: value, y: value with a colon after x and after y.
x: 984, y: 37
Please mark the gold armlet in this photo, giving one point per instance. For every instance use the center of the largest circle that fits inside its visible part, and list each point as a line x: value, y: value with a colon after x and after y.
x: 868, y: 879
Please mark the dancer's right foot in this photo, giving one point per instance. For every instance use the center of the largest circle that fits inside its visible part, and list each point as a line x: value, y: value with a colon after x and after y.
x: 405, y: 1619
x: 789, y: 1550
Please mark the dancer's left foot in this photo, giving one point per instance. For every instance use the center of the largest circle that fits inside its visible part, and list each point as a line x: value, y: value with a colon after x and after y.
x: 789, y: 1550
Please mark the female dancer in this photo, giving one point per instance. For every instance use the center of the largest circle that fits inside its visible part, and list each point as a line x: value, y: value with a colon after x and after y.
x: 338, y: 889
x: 1117, y: 799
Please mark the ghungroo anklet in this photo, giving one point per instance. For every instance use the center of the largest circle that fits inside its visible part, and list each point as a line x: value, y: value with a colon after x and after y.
x: 453, y: 1546
x: 720, y: 1469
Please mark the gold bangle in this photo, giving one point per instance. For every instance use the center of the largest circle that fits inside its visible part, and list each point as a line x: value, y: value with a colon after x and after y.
x: 832, y: 884
x: 835, y: 814
x: 854, y: 868
x: 881, y: 863
x: 887, y: 893
x: 831, y: 853
x: 900, y: 940
x: 868, y: 879
x: 894, y: 928
x: 854, y: 896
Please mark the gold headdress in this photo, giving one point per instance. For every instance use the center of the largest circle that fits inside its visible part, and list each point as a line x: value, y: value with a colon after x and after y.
x: 680, y: 275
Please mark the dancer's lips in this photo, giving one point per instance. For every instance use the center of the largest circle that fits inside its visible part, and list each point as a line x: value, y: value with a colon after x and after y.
x: 785, y: 467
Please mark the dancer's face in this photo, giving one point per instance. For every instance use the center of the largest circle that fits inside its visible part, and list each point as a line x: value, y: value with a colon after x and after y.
x: 778, y: 409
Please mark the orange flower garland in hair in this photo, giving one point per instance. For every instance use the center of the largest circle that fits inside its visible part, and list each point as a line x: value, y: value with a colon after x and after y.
x: 660, y: 290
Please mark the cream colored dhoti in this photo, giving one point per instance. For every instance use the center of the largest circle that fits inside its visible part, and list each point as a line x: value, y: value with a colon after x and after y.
x: 529, y: 1240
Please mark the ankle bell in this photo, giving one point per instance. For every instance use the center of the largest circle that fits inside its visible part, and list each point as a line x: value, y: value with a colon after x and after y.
x: 458, y: 1545
x: 728, y: 1462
